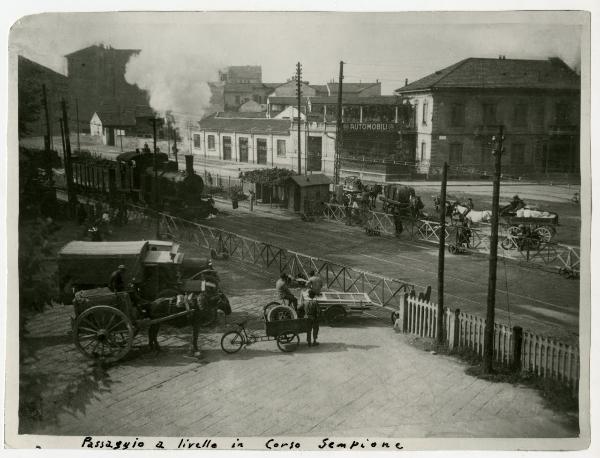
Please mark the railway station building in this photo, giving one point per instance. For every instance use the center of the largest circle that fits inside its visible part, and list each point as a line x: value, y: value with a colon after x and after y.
x: 459, y: 108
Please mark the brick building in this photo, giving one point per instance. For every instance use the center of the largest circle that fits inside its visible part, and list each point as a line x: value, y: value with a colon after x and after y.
x: 31, y: 77
x: 97, y: 79
x: 459, y: 108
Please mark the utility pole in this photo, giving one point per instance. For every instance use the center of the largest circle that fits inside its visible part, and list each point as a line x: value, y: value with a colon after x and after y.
x: 174, y: 130
x: 68, y: 165
x: 338, y: 135
x: 155, y: 190
x: 441, y: 259
x: 299, y: 94
x: 47, y: 136
x: 488, y: 338
x: 77, y: 118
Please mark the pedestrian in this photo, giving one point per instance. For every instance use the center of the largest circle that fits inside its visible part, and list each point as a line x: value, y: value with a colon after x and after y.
x: 356, y: 211
x: 347, y: 210
x: 81, y: 214
x: 282, y: 287
x: 313, y: 313
x: 314, y: 283
x: 398, y: 223
x: 116, y: 282
x: 146, y: 148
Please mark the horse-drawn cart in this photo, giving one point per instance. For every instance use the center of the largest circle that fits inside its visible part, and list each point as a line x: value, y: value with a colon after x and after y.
x: 543, y: 224
x: 106, y: 323
x: 335, y: 306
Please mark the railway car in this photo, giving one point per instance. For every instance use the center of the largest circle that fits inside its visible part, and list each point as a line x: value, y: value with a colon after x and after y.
x: 131, y: 177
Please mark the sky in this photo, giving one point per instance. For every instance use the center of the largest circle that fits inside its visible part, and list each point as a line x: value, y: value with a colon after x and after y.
x: 386, y: 46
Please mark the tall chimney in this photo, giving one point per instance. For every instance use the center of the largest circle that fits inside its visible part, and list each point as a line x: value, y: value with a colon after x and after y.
x: 406, y: 81
x: 189, y: 164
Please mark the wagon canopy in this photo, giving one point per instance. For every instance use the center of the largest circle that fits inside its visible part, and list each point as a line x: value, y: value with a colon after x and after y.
x: 91, y: 263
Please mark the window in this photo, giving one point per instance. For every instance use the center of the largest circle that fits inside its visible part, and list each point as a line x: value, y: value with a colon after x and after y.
x: 280, y: 148
x: 520, y: 117
x: 243, y: 142
x: 196, y: 140
x: 261, y: 151
x: 423, y: 147
x: 517, y: 154
x: 425, y: 112
x: 562, y: 113
x: 211, y: 142
x: 226, y: 148
x: 457, y: 115
x: 489, y: 114
x: 456, y: 150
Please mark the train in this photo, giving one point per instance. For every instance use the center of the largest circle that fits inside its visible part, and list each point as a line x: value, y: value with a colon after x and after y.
x: 144, y: 178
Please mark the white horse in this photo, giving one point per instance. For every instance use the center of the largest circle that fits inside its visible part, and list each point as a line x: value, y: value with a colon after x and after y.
x: 474, y: 216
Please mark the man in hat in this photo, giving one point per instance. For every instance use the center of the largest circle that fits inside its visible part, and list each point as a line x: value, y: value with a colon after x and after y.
x: 116, y: 283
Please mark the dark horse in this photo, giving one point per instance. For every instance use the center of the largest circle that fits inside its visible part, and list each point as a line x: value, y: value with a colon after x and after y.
x: 202, y: 311
x: 374, y: 190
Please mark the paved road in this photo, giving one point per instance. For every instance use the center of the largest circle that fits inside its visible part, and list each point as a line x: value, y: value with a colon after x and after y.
x: 541, y: 301
x: 363, y: 380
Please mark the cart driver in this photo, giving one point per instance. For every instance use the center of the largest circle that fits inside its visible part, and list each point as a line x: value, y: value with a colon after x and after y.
x: 116, y: 282
x: 284, y: 291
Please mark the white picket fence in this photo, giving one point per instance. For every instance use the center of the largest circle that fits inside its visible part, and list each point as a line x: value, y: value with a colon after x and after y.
x: 541, y: 356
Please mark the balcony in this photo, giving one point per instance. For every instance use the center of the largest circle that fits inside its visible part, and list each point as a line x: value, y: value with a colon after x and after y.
x: 557, y: 130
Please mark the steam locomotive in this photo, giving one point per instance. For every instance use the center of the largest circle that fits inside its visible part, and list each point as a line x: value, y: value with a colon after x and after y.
x: 131, y: 177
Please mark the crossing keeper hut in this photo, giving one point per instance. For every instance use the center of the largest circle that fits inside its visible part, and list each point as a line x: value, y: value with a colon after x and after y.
x: 306, y: 192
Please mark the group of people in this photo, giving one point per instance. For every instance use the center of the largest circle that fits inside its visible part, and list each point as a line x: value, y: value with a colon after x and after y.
x: 311, y: 309
x: 98, y: 217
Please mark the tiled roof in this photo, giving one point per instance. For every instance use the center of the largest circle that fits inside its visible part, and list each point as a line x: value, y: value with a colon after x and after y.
x: 241, y: 114
x: 319, y: 87
x: 289, y: 100
x: 316, y: 179
x: 268, y: 126
x: 350, y: 88
x: 102, y: 48
x: 114, y: 118
x: 499, y: 73
x: 356, y: 100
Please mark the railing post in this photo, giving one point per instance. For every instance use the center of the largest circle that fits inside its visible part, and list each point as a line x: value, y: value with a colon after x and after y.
x: 403, y: 312
x: 517, y: 347
x: 454, y: 329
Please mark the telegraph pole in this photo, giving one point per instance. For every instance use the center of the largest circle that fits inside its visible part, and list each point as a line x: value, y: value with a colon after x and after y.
x: 155, y: 190
x: 77, y: 118
x: 441, y: 259
x: 299, y: 94
x: 174, y: 130
x: 488, y: 338
x: 47, y: 136
x: 338, y: 135
x: 68, y: 165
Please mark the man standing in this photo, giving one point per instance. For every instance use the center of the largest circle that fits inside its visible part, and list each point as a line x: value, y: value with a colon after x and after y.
x: 313, y: 313
x: 116, y: 283
x: 284, y: 291
x: 315, y: 283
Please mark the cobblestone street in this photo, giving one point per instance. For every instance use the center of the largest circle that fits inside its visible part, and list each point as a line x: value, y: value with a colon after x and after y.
x: 364, y: 379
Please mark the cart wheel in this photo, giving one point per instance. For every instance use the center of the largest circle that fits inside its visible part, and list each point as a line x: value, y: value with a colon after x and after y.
x: 232, y: 342
x: 513, y: 231
x: 281, y: 312
x: 507, y: 243
x: 545, y: 233
x: 103, y: 333
x: 288, y: 341
x: 335, y: 315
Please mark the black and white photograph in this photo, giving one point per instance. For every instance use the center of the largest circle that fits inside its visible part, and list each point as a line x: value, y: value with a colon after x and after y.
x: 295, y: 230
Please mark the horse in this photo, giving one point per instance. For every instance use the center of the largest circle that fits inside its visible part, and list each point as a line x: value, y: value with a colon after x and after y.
x: 374, y: 190
x: 203, y: 311
x: 474, y: 216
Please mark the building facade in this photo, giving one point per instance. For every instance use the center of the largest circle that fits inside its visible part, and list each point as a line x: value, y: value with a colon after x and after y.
x: 459, y: 109
x: 97, y: 79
